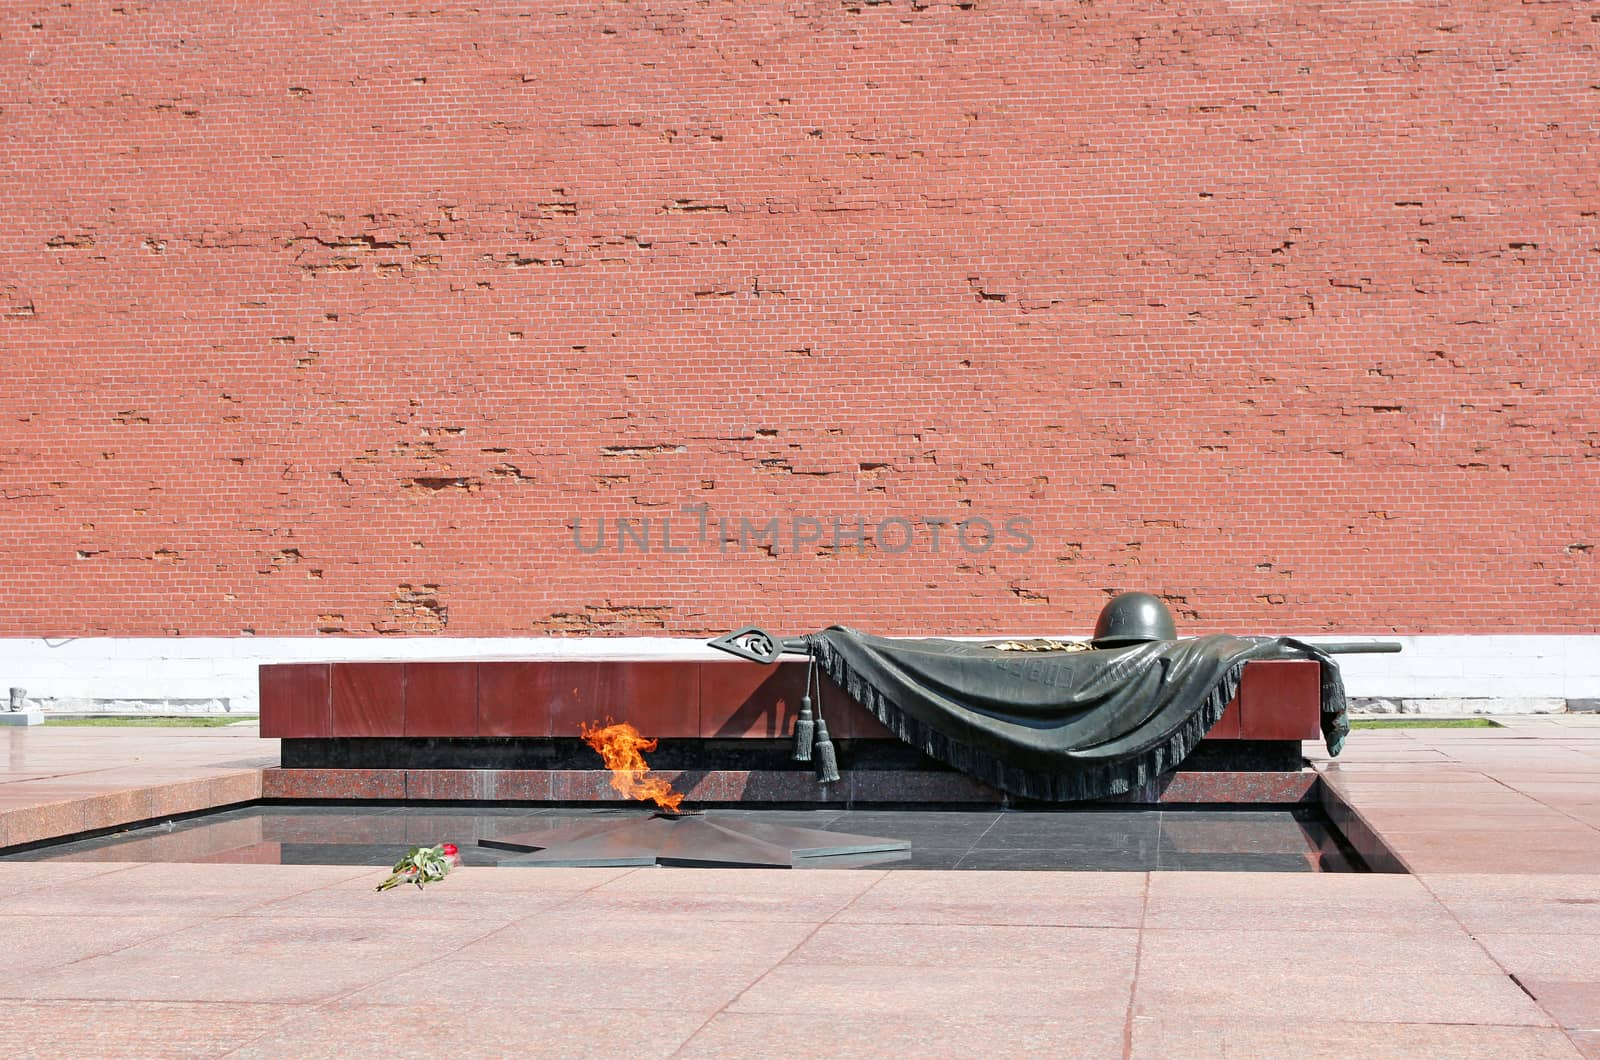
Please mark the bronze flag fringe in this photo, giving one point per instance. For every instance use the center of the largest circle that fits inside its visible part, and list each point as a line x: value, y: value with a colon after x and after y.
x: 1085, y: 780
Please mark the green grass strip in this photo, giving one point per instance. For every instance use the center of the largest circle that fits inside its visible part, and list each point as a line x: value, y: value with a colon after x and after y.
x: 200, y: 721
x: 1424, y: 723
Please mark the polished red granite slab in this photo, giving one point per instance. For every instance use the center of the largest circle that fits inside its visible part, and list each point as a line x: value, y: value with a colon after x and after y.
x: 300, y: 695
x: 441, y: 699
x: 661, y: 699
x: 368, y: 699
x: 1227, y: 727
x: 1277, y: 700
x: 504, y: 691
x: 1280, y: 699
x: 749, y: 701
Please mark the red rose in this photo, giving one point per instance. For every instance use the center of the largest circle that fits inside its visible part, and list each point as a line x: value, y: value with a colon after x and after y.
x: 450, y: 850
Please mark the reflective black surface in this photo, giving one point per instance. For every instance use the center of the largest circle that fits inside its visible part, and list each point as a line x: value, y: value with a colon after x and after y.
x: 1101, y: 839
x: 692, y: 840
x: 545, y: 752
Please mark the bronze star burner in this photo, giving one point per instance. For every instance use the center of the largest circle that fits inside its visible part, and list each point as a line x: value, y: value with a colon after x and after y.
x: 687, y: 840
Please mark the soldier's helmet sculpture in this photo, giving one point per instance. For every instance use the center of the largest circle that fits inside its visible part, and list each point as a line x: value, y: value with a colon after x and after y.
x: 1133, y: 618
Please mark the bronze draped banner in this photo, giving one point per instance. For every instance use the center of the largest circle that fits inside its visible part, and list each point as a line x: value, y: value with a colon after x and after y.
x: 1059, y: 725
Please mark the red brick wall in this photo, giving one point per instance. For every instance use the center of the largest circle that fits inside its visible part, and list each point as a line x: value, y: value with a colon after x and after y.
x: 334, y: 317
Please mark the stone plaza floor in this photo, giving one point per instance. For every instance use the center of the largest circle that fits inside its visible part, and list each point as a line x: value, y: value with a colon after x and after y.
x: 1491, y: 947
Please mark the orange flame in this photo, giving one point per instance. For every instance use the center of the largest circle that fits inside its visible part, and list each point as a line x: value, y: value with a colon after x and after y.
x: 620, y: 745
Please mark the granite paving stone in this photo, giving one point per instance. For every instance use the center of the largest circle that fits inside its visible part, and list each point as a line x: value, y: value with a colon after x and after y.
x: 726, y: 894
x: 543, y: 881
x: 1043, y: 950
x: 1566, y: 956
x: 1100, y: 899
x: 345, y: 1029
x: 246, y: 959
x: 901, y: 990
x: 1231, y: 954
x: 593, y: 984
x: 357, y: 899
x: 87, y: 1027
x: 1161, y: 1037
x: 178, y: 889
x: 33, y: 944
x: 1308, y: 994
x: 157, y: 974
x: 711, y: 906
x: 1568, y: 892
x: 202, y: 959
x: 1575, y: 1005
x: 17, y: 877
x: 1091, y: 1033
x: 1356, y: 904
x: 642, y: 941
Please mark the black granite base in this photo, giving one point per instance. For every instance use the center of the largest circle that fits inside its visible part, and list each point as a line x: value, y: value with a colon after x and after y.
x: 438, y: 752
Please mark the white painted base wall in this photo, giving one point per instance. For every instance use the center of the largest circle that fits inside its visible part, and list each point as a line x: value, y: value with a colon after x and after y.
x: 218, y: 674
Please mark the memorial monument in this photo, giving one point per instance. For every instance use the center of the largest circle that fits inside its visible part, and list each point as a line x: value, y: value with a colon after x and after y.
x: 1051, y: 720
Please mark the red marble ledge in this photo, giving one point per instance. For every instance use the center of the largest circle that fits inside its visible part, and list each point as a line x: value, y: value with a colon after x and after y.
x: 1278, y: 700
x: 855, y: 787
x: 513, y: 785
x: 1356, y: 830
x: 70, y: 815
x: 333, y: 784
x: 296, y: 700
x: 1222, y: 786
x: 369, y: 699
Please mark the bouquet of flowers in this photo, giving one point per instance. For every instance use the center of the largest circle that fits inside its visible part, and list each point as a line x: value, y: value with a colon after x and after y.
x: 423, y: 865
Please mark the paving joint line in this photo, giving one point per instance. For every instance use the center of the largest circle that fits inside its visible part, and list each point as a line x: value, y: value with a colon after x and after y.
x: 301, y: 1008
x: 882, y: 874
x: 1138, y: 959
x: 1495, y: 960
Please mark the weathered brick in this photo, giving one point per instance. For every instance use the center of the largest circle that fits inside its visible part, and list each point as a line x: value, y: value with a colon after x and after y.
x: 346, y: 318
